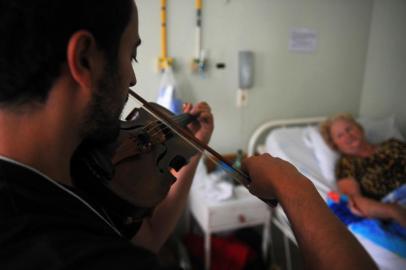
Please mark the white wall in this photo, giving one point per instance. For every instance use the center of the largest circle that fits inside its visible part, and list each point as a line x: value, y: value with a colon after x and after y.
x: 384, y: 91
x: 286, y: 84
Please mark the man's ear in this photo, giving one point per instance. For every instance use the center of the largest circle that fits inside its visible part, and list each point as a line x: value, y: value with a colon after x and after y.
x: 81, y: 58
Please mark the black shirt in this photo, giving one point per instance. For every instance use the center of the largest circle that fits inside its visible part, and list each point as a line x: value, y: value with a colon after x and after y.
x: 46, y: 226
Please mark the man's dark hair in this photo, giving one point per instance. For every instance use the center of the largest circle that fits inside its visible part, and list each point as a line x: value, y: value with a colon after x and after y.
x: 34, y: 35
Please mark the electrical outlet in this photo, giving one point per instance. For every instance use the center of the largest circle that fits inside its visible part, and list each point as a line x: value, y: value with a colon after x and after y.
x: 242, y: 98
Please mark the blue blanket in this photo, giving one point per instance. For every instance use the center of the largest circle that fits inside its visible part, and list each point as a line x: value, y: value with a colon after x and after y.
x: 386, y: 234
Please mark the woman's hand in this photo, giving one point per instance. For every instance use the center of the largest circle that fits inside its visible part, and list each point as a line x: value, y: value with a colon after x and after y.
x: 359, y: 206
x: 203, y: 128
x: 369, y: 208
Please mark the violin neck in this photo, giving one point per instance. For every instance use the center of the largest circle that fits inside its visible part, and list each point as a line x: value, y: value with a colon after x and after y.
x: 184, y: 119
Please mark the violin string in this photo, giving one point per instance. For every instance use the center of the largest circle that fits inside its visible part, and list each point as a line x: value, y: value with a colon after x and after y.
x: 156, y: 127
x: 161, y: 127
x: 179, y: 118
x: 151, y: 125
x: 164, y: 129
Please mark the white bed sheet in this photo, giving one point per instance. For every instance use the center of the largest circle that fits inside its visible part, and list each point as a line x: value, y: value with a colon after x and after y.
x: 289, y: 144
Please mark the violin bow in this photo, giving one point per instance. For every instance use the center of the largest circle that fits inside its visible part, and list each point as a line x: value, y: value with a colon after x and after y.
x: 239, y: 175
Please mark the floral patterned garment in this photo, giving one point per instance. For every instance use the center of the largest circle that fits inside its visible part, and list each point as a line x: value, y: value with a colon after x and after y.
x: 378, y: 174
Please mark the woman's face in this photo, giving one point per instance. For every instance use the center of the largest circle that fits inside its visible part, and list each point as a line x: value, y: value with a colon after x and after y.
x: 347, y: 136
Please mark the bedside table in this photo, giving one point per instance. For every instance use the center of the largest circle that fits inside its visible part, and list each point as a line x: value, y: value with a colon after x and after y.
x: 244, y: 210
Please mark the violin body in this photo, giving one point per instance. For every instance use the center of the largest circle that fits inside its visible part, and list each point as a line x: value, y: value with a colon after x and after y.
x: 130, y: 176
x: 146, y: 157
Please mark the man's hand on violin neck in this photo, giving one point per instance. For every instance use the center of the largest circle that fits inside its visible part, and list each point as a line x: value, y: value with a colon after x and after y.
x: 203, y: 127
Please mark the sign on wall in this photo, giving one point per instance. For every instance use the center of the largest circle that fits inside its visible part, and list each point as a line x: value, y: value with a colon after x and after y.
x: 303, y: 40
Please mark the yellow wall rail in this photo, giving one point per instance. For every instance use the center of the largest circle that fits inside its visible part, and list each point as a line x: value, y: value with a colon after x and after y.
x: 164, y: 61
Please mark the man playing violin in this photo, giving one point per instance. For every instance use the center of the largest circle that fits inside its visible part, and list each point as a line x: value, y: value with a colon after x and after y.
x: 65, y: 70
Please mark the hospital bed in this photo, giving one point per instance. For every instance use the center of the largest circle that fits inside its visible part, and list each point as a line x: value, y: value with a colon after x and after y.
x: 294, y: 140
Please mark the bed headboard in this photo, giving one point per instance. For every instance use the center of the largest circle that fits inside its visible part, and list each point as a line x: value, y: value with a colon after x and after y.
x: 258, y: 136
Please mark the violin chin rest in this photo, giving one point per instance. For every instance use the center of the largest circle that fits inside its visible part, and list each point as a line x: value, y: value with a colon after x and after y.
x: 177, y: 163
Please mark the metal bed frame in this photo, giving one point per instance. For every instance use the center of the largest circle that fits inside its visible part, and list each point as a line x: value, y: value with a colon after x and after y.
x: 257, y: 138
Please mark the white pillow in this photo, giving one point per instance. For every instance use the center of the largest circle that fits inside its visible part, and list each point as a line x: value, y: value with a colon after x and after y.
x: 379, y: 130
x: 325, y: 156
x: 376, y: 131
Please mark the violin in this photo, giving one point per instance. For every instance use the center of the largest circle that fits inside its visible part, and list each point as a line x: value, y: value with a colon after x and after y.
x: 147, y: 149
x: 118, y: 175
x: 237, y: 174
x: 152, y: 143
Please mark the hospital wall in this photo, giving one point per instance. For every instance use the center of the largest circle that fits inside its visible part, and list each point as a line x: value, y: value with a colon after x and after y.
x: 286, y: 84
x: 384, y: 91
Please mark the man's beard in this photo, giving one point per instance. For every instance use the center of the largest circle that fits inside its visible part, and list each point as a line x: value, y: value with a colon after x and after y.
x: 101, y: 124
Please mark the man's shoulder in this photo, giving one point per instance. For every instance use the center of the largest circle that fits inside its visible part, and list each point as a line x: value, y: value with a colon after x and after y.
x: 45, y: 227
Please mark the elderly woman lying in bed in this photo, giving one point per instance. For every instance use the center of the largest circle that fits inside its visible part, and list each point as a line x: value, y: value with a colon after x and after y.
x: 367, y: 172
